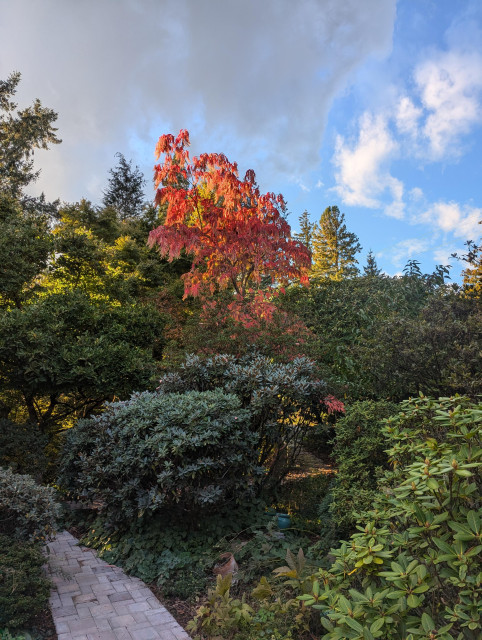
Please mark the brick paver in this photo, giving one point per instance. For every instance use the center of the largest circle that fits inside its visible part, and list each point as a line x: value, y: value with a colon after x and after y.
x: 92, y: 600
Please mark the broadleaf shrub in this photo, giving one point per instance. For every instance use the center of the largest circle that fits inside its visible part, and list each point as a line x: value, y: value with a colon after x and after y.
x: 24, y: 590
x: 159, y: 452
x: 413, y: 568
x: 285, y: 400
x: 359, y: 454
x: 28, y: 511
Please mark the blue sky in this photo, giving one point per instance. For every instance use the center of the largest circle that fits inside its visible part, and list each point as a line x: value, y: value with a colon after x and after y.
x: 374, y: 106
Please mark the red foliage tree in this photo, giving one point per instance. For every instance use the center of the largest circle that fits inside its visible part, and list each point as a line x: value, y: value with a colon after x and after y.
x: 236, y: 236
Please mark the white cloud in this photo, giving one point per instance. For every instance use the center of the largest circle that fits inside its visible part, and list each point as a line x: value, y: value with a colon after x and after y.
x: 361, y: 168
x: 442, y: 255
x: 450, y: 86
x: 407, y: 116
x: 416, y: 194
x: 408, y: 249
x: 451, y: 217
x: 252, y: 79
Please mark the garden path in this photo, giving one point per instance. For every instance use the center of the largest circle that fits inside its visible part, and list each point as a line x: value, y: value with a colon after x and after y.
x: 92, y: 600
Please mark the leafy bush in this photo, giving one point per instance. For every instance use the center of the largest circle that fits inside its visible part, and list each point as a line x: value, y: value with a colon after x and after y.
x: 22, y: 448
x: 359, y: 453
x: 413, y: 569
x: 6, y: 635
x: 28, y: 511
x: 24, y: 591
x: 285, y: 400
x: 156, y: 452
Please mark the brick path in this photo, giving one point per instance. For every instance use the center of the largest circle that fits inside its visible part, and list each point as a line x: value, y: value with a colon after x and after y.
x: 92, y: 600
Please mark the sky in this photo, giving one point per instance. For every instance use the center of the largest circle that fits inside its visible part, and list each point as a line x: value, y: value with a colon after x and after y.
x: 373, y: 106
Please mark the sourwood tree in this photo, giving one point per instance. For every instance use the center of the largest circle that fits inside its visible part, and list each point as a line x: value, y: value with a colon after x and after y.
x: 237, y: 237
x: 334, y: 247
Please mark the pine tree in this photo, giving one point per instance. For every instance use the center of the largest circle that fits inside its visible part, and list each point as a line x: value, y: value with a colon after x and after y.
x: 334, y: 248
x: 371, y: 268
x: 125, y: 190
x: 306, y: 230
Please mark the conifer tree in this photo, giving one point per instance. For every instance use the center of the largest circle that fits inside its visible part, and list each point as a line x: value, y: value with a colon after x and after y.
x: 371, y: 268
x: 125, y: 190
x: 334, y: 248
x: 21, y: 132
x: 306, y: 231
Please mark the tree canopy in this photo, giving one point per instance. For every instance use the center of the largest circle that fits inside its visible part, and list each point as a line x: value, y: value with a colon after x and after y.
x: 237, y: 236
x: 334, y: 247
x: 21, y: 132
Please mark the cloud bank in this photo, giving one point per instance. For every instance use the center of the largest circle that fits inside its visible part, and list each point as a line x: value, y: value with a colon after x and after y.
x: 255, y: 80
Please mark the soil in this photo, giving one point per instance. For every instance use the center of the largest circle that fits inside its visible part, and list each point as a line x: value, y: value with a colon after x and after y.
x: 42, y: 625
x: 183, y: 611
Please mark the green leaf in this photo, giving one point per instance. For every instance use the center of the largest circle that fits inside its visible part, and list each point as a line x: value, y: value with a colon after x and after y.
x: 427, y: 623
x: 413, y: 601
x: 378, y: 624
x: 473, y: 519
x: 353, y: 624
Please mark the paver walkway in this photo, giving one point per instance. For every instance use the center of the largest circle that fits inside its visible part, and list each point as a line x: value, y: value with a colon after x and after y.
x: 92, y: 600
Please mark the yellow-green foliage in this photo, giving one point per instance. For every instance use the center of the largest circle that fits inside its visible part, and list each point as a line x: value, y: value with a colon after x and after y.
x: 413, y: 568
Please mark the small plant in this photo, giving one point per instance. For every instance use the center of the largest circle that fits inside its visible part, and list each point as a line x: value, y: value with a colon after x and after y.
x: 222, y: 616
x: 6, y: 635
x: 28, y: 511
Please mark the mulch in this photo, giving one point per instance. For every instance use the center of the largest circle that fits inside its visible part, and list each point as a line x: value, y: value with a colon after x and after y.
x: 42, y: 625
x: 183, y: 611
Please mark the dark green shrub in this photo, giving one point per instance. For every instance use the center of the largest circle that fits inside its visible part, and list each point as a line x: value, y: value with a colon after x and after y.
x: 161, y: 452
x: 28, y: 511
x: 285, y: 400
x: 413, y: 568
x: 22, y: 448
x: 359, y: 454
x: 6, y: 635
x: 24, y: 591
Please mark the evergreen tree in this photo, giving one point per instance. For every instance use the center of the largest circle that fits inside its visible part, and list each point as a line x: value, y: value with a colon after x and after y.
x: 125, y: 190
x: 306, y: 231
x: 371, y: 268
x: 334, y: 248
x: 21, y: 132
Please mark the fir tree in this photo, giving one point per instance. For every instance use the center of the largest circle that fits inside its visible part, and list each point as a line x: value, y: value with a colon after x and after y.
x: 125, y: 190
x: 21, y: 132
x: 306, y: 231
x: 371, y: 268
x: 334, y: 248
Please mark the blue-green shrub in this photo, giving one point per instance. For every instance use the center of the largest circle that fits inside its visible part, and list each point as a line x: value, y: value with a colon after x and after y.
x: 157, y: 452
x: 285, y: 400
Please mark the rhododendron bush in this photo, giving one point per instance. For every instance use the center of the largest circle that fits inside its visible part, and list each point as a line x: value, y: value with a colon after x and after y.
x: 285, y: 400
x: 237, y: 236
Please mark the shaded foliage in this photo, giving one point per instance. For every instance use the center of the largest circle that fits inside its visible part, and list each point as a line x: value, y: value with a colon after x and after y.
x: 158, y: 452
